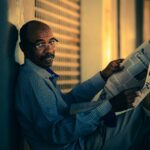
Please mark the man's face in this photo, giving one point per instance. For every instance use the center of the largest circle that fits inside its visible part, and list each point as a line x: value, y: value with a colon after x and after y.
x: 42, y: 47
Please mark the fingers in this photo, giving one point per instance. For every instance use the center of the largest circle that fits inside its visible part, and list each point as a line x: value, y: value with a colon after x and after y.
x: 131, y: 90
x: 130, y: 97
x: 116, y: 65
x: 125, y: 99
x: 112, y: 67
x: 118, y: 61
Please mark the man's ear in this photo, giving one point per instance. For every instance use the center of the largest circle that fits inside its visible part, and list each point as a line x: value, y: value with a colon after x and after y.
x: 23, y: 48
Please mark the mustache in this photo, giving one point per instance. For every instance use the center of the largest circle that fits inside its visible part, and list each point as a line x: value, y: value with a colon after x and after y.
x: 49, y: 55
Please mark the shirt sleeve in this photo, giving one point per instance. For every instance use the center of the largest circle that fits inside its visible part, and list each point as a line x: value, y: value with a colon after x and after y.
x: 49, y: 121
x: 85, y: 91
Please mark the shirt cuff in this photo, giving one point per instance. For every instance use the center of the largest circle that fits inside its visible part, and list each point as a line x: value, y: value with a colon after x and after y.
x: 96, y: 114
x: 104, y: 108
x: 97, y: 81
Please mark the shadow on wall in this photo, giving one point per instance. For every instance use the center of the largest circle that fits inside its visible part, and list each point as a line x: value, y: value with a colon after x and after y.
x: 14, y: 133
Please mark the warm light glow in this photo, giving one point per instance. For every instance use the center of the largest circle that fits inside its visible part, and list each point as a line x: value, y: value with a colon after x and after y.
x: 107, y: 50
x: 146, y: 26
x: 109, y: 31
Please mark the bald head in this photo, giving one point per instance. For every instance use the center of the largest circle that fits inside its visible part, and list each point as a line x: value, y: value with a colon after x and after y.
x: 38, y: 43
x: 29, y: 29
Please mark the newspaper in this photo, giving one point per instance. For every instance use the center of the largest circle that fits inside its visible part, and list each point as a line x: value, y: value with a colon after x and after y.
x: 144, y: 91
x: 133, y: 75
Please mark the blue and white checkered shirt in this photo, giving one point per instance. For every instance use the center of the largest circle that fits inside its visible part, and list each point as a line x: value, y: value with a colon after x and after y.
x: 43, y: 110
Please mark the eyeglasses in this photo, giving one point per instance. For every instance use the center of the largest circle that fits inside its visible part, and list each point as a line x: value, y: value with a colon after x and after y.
x: 42, y: 45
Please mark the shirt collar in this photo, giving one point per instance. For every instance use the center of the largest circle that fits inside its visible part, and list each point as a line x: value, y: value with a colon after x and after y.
x: 52, y: 73
x: 41, y: 71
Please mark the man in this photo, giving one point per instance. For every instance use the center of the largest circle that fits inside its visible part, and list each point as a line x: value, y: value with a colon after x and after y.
x: 43, y: 111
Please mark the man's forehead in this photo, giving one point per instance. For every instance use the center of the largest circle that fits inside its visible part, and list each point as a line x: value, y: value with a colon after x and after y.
x: 38, y: 32
x: 38, y: 25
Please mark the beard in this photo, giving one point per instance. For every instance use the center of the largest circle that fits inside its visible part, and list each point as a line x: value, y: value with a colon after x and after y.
x: 45, y: 61
x: 48, y: 56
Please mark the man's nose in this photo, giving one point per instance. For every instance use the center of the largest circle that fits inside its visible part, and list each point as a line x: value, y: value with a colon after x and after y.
x: 49, y: 48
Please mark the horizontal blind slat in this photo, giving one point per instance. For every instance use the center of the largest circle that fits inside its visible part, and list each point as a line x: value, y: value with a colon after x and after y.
x: 63, y: 17
x: 45, y: 12
x: 69, y: 3
x: 61, y: 27
x: 70, y: 12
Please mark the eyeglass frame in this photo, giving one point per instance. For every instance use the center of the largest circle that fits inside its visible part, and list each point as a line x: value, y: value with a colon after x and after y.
x: 46, y: 44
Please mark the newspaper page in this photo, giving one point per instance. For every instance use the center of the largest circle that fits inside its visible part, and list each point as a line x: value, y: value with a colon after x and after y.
x: 133, y: 75
x: 144, y: 91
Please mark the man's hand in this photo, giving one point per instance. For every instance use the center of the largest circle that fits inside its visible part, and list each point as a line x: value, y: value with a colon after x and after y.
x: 112, y: 67
x: 123, y: 100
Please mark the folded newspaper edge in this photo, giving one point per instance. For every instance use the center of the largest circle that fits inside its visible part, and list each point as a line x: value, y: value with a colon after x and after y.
x: 144, y: 91
x: 88, y: 106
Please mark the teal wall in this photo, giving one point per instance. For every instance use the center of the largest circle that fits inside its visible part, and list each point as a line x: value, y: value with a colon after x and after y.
x: 4, y: 138
x: 9, y: 132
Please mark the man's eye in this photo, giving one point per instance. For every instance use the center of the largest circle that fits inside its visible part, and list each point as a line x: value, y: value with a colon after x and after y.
x: 52, y: 42
x: 40, y: 44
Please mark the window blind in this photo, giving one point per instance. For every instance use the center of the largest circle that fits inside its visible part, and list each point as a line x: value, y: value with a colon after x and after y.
x: 63, y: 16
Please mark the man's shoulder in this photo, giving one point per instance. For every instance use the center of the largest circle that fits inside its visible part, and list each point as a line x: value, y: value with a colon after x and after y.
x: 26, y: 70
x: 26, y: 73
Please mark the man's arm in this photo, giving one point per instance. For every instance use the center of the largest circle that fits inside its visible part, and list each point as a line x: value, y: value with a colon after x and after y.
x: 50, y: 120
x: 85, y: 91
x: 48, y: 117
